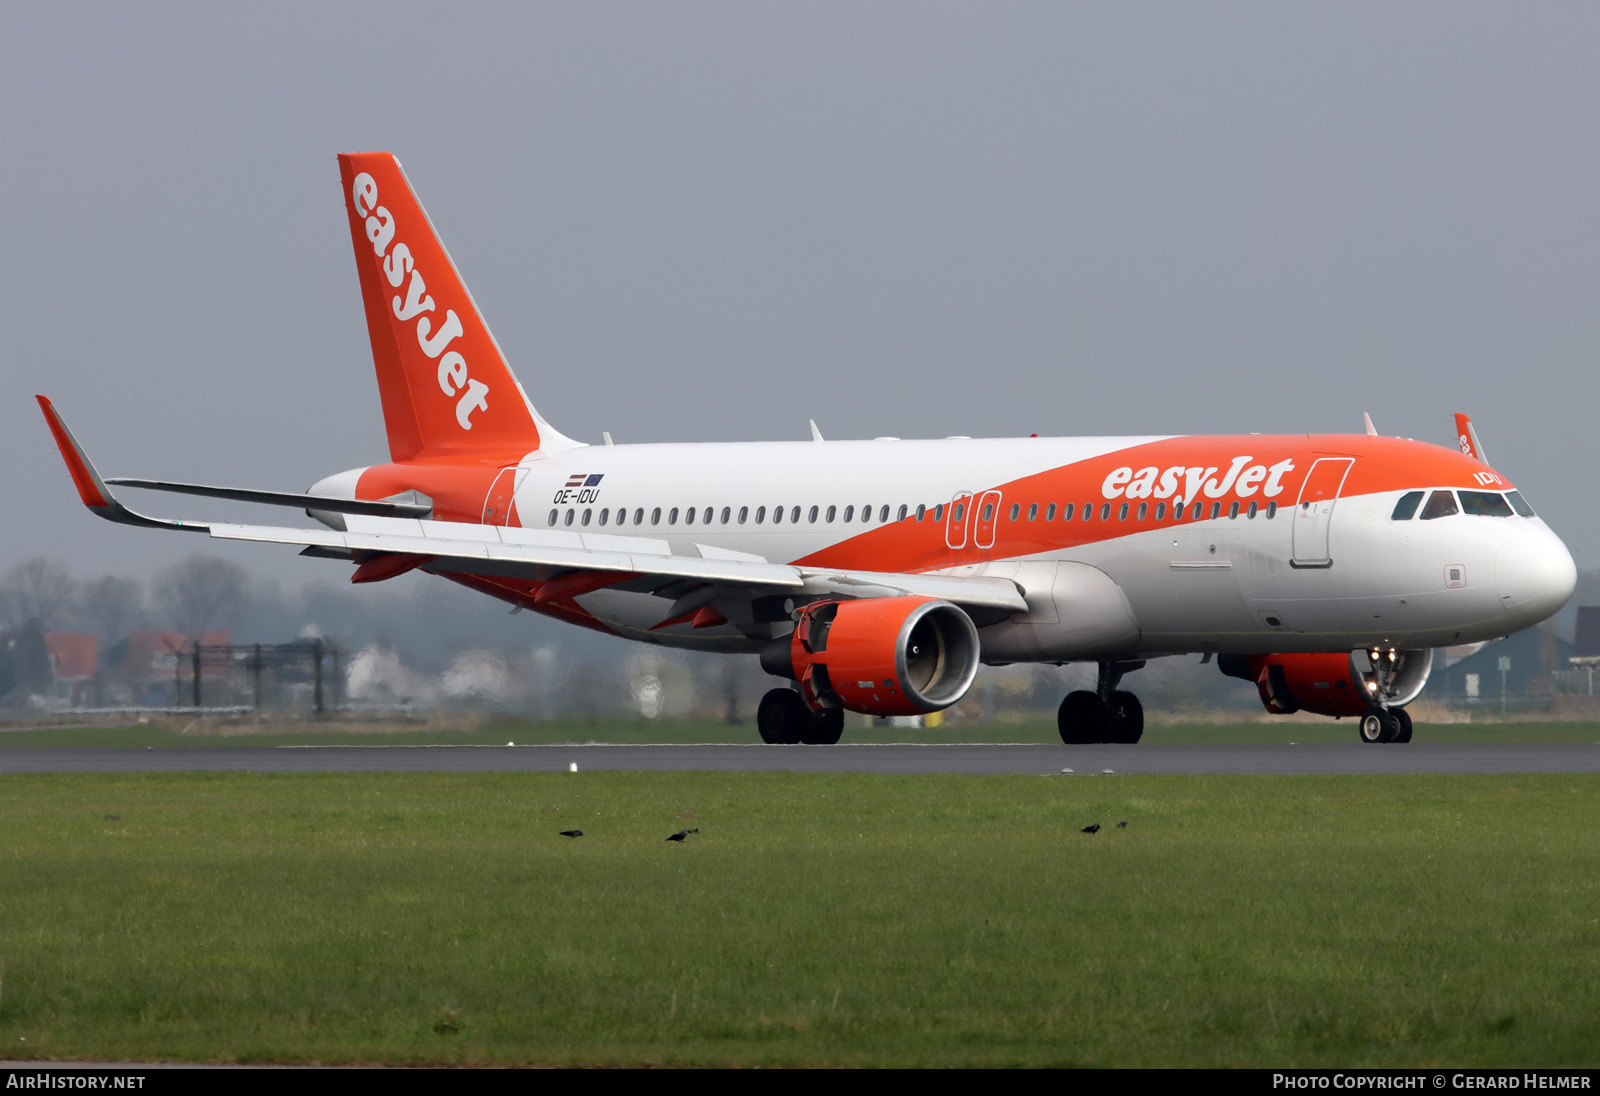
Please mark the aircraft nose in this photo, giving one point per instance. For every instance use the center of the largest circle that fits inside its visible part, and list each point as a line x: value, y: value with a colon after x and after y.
x: 1535, y: 575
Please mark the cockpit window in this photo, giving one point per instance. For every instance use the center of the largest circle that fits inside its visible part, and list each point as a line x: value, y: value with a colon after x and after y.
x: 1489, y: 504
x: 1406, y: 508
x: 1441, y: 504
x: 1520, y: 504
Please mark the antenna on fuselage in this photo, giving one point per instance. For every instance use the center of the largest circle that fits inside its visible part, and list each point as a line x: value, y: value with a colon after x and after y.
x: 1372, y: 431
x: 816, y: 435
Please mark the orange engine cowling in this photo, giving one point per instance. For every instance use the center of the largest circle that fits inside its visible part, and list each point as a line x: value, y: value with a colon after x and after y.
x: 883, y: 656
x: 1335, y: 683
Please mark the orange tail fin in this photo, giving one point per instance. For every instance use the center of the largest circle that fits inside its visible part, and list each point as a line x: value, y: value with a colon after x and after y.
x: 1467, y: 438
x: 446, y: 388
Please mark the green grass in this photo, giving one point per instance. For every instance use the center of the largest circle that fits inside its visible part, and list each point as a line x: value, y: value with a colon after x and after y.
x: 814, y: 920
x: 528, y: 732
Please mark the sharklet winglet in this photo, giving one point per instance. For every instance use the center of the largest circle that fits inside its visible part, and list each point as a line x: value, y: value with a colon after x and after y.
x: 91, y: 488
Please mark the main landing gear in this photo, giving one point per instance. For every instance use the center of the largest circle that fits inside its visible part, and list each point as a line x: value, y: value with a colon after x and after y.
x: 784, y: 719
x: 1386, y: 725
x: 1105, y: 715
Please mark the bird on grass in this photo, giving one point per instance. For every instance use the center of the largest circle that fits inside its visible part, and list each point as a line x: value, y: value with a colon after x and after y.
x: 681, y: 834
x: 571, y: 833
x: 1122, y: 825
x: 1095, y: 828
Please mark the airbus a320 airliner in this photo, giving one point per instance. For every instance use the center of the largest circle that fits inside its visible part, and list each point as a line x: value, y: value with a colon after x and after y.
x: 875, y: 576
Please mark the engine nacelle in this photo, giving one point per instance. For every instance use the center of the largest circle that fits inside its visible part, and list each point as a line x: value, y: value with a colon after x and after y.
x: 883, y: 656
x: 1336, y: 682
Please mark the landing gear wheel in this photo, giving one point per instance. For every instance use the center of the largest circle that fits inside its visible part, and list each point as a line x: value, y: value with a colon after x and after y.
x: 1127, y: 718
x: 1082, y: 719
x: 782, y: 717
x: 1379, y: 726
x: 1403, y: 719
x: 824, y: 728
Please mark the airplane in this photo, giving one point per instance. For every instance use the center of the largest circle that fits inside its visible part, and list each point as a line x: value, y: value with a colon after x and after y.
x: 875, y: 576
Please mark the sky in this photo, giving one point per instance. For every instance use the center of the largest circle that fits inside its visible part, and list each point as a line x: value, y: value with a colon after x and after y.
x: 713, y: 221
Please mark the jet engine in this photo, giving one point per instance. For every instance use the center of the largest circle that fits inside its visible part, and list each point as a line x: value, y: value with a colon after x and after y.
x: 883, y: 656
x: 1333, y: 683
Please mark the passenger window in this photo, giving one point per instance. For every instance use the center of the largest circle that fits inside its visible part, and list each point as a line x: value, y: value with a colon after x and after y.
x: 569, y: 517
x: 1066, y: 512
x: 553, y: 515
x: 1016, y: 508
x: 1254, y: 506
x: 812, y: 516
x: 1233, y: 511
x: 1144, y: 508
x: 1272, y: 510
x: 988, y: 512
x: 744, y: 514
x: 587, y: 513
x: 1441, y: 504
x: 638, y: 516
x: 1122, y: 512
x: 1216, y: 510
x: 777, y: 515
x: 726, y: 512
x: 761, y: 514
x: 794, y: 515
x: 672, y: 516
x: 866, y: 513
x: 1199, y: 509
x: 688, y: 516
x: 1520, y: 504
x: 1105, y: 511
x: 1161, y: 511
x: 959, y: 513
x: 1033, y: 511
x: 902, y: 516
x: 938, y: 512
x: 1488, y: 504
x: 655, y: 516
x: 1406, y: 508
x: 921, y: 511
x: 832, y: 512
x: 1050, y: 512
x: 849, y: 514
x: 883, y: 514
x: 603, y: 515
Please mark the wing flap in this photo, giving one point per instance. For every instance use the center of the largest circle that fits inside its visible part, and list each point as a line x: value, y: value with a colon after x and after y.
x: 469, y: 553
x: 466, y: 548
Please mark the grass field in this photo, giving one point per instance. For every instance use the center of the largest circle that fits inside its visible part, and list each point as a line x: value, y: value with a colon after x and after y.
x: 813, y: 920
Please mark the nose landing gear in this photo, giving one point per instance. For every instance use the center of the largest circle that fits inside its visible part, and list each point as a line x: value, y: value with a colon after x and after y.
x: 1105, y: 715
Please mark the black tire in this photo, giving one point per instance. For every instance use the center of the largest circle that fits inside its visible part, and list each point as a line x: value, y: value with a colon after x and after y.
x: 1127, y: 718
x: 781, y: 717
x: 1082, y: 719
x: 1377, y: 726
x: 824, y: 728
x: 1403, y: 719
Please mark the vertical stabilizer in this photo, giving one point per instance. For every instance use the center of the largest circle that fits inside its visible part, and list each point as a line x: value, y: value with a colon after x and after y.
x: 446, y: 388
x: 1467, y: 438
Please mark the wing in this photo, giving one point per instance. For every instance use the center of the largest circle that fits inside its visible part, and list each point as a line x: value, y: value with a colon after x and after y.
x: 555, y: 563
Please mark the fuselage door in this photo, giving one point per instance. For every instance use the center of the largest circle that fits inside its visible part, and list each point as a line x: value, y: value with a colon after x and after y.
x: 955, y: 522
x: 499, y: 505
x: 1314, y: 510
x: 984, y: 520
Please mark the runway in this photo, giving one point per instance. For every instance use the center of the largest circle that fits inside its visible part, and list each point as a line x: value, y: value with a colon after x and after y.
x: 906, y: 759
